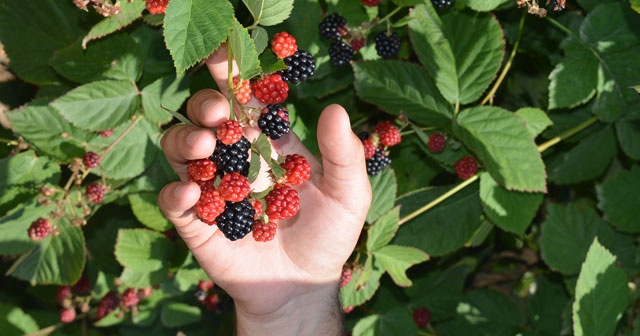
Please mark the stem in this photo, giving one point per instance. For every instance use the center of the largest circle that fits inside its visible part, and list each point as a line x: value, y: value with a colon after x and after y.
x: 411, y: 131
x: 48, y: 330
x: 507, y: 66
x: 230, y: 88
x: 567, y: 134
x: 438, y: 200
x: 388, y: 16
x: 115, y: 142
x: 559, y: 26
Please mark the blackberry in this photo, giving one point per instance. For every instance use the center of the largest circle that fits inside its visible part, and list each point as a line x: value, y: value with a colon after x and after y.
x: 340, y: 53
x: 232, y: 158
x: 333, y: 26
x: 300, y: 66
x: 442, y: 3
x: 236, y: 220
x: 387, y: 46
x: 274, y: 121
x: 377, y: 163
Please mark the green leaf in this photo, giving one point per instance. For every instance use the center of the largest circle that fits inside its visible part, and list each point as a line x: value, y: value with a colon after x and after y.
x: 628, y: 134
x: 397, y: 259
x: 129, y: 12
x: 463, y: 51
x: 397, y: 321
x: 384, y: 188
x: 504, y: 145
x: 14, y: 225
x: 57, y: 259
x: 14, y: 321
x: 43, y: 127
x: 407, y: 3
x: 193, y: 29
x: 587, y: 160
x: 483, y: 5
x: 260, y: 39
x: 145, y: 208
x: 512, y: 211
x: 178, y: 314
x: 166, y: 93
x: 617, y: 199
x: 244, y: 51
x: 436, y: 231
x: 363, y: 285
x: 269, y: 12
x: 99, y: 105
x: 145, y: 256
x: 601, y: 294
x: 536, y: 120
x: 23, y: 174
x: 32, y: 31
x: 398, y: 86
x: 189, y: 274
x: 547, y: 305
x: 383, y: 230
x: 574, y: 80
x: 635, y: 5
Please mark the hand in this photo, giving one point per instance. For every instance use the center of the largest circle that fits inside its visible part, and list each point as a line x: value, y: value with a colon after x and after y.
x: 288, y: 285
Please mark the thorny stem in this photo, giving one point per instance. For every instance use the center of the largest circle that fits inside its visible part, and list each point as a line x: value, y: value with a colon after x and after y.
x: 507, y: 66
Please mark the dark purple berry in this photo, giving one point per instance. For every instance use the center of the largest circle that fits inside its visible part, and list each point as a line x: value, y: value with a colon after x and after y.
x: 300, y: 66
x: 274, y: 121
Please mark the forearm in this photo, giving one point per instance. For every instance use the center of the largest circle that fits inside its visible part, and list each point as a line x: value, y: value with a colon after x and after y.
x: 314, y: 312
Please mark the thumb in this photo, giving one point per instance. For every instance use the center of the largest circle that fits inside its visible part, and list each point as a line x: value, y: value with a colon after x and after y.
x: 344, y: 168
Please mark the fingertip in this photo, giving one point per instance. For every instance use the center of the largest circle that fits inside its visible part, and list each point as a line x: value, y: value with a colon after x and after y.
x: 177, y: 199
x: 208, y: 108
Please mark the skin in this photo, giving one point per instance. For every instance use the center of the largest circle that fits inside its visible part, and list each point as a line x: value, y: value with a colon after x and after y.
x: 288, y: 286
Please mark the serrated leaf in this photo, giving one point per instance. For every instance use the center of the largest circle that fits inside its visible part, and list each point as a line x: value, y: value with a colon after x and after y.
x: 384, y: 188
x: 536, y: 120
x: 397, y: 259
x: 30, y: 32
x: 99, y: 105
x: 617, y: 199
x: 178, y: 314
x: 587, y: 160
x: 145, y: 256
x: 402, y: 87
x: 504, y: 145
x: 260, y: 39
x: 166, y: 93
x: 512, y: 211
x: 574, y: 80
x: 116, y: 57
x: 269, y: 12
x: 189, y: 274
x: 145, y: 208
x: 244, y: 51
x: 628, y: 134
x: 15, y: 223
x: 129, y: 12
x: 57, y: 259
x: 24, y: 174
x: 193, y: 29
x: 14, y: 321
x: 601, y: 293
x: 436, y: 231
x: 383, y: 230
x: 463, y: 51
x: 270, y: 63
x: 262, y: 147
x: 363, y: 285
x: 397, y: 321
x: 483, y: 5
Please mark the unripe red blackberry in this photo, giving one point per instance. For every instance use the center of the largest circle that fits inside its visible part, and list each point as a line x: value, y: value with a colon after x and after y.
x: 282, y: 202
x: 130, y: 297
x: 264, y: 232
x: 67, y: 315
x: 156, y: 6
x: 271, y: 89
x: 466, y: 167
x: 90, y: 160
x: 283, y: 44
x: 40, y: 229
x: 422, y: 317
x: 437, y: 142
x: 63, y: 293
x: 94, y: 192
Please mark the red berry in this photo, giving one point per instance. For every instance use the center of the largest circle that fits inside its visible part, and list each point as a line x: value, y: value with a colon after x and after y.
x: 156, y: 6
x: 145, y: 292
x: 282, y: 202
x: 345, y: 277
x: 63, y: 293
x: 108, y: 303
x: 422, y: 317
x: 90, y: 160
x: 229, y: 132
x: 271, y: 89
x: 349, y: 309
x: 264, y: 232
x: 82, y: 286
x: 370, y: 3
x: 283, y: 45
x: 437, y: 142
x: 67, y: 315
x: 242, y: 91
x: 211, y: 302
x: 466, y: 167
x: 106, y: 133
x: 369, y: 148
x: 201, y: 170
x: 388, y: 133
x: 205, y: 285
x: 40, y: 229
x: 257, y: 206
x: 297, y: 168
x: 234, y: 187
x: 210, y: 205
x: 130, y: 297
x: 94, y: 192
x: 357, y: 44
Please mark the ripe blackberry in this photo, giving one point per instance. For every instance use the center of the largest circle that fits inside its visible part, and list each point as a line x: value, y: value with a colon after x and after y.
x: 282, y: 202
x: 229, y: 132
x: 201, y: 170
x: 283, y: 44
x: 300, y: 66
x: 232, y: 158
x: 90, y: 159
x: 94, y: 192
x: 466, y: 167
x: 40, y: 229
x: 264, y: 232
x: 200, y: 295
x: 387, y: 46
x: 297, y: 168
x: 442, y: 3
x: 242, y: 91
x: 234, y: 187
x: 378, y: 162
x: 236, y: 220
x: 156, y: 6
x: 422, y: 317
x: 437, y: 142
x: 274, y: 121
x: 130, y: 297
x: 340, y: 54
x: 271, y: 89
x: 333, y: 26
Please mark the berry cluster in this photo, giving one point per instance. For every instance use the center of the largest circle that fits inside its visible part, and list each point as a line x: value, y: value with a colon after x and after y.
x: 72, y: 298
x: 465, y: 167
x: 376, y: 146
x: 212, y: 298
x: 127, y: 301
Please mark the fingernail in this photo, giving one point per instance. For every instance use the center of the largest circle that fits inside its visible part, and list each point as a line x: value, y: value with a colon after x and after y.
x: 179, y: 191
x: 191, y: 138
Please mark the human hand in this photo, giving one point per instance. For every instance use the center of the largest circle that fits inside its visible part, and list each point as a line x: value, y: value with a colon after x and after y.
x: 288, y: 285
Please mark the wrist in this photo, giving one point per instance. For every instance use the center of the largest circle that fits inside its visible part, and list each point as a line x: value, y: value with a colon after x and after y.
x: 314, y: 310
